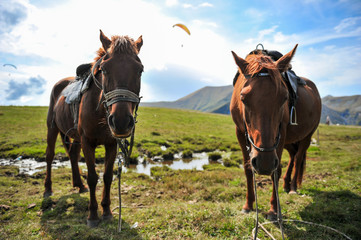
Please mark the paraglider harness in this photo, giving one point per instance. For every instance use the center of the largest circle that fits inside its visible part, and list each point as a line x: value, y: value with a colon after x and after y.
x: 289, y: 77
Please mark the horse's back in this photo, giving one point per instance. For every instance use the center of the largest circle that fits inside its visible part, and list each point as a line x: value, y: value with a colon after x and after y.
x: 55, y: 98
x: 59, y: 87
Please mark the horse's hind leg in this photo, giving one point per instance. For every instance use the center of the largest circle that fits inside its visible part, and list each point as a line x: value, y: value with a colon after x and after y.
x: 292, y: 150
x: 73, y: 151
x: 300, y: 163
x: 50, y: 152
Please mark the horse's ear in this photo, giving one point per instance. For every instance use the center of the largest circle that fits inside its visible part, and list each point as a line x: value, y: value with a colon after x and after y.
x: 241, y: 63
x: 283, y: 63
x: 105, y: 41
x: 139, y: 43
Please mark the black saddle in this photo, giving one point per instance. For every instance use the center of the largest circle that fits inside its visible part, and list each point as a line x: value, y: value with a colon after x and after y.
x: 83, y: 69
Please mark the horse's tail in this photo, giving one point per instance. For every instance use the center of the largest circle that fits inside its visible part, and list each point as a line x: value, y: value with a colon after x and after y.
x: 301, y: 170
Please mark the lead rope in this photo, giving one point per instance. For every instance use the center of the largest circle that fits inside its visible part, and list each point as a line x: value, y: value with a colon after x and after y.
x: 123, y: 158
x: 255, y: 195
x: 279, y: 213
x: 120, y: 168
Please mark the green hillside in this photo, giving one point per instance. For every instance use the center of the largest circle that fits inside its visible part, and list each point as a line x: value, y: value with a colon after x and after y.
x: 23, y: 132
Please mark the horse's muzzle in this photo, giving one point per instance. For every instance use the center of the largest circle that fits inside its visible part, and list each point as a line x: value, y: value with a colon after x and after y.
x: 264, y: 163
x: 121, y: 127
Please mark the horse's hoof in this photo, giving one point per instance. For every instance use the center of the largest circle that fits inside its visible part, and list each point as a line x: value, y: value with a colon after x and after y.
x: 83, y: 189
x: 271, y: 216
x: 287, y: 190
x: 292, y: 192
x: 246, y: 211
x: 92, y: 223
x: 47, y: 194
x: 107, y: 217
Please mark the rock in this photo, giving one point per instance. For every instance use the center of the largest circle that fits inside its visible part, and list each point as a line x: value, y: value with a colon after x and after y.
x: 32, y: 205
x: 4, y: 207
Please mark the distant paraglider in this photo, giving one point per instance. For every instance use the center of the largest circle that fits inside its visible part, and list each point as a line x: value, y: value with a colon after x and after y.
x: 10, y: 65
x: 182, y: 26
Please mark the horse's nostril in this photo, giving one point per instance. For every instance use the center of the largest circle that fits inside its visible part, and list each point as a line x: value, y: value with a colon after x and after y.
x: 131, y: 122
x: 111, y: 121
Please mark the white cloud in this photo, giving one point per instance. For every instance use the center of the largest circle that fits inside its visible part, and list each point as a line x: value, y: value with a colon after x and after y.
x: 206, y: 4
x: 171, y: 3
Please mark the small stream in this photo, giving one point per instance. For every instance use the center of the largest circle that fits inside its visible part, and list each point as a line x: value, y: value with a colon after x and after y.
x: 30, y: 166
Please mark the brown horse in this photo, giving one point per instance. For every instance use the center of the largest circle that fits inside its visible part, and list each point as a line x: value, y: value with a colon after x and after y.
x: 260, y: 110
x: 105, y: 115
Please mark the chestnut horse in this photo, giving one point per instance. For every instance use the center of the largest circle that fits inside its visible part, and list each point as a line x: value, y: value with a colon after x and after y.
x: 260, y: 110
x: 105, y: 115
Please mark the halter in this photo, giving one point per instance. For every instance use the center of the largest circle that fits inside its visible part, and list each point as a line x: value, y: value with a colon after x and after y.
x: 116, y: 95
x: 249, y: 140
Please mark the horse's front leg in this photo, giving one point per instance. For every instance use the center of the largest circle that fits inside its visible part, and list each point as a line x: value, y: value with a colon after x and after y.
x: 92, y: 179
x: 250, y: 198
x: 110, y: 155
x: 272, y: 213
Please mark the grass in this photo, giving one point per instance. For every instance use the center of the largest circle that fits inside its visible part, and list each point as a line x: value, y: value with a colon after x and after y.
x: 180, y: 204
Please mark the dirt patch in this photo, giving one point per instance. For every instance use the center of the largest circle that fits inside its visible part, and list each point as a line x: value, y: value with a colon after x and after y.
x: 318, y: 176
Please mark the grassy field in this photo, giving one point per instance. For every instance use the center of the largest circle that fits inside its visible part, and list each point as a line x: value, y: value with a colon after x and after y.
x: 179, y: 204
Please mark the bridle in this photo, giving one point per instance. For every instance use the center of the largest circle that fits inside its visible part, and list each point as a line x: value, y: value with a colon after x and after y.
x: 249, y: 139
x: 116, y: 95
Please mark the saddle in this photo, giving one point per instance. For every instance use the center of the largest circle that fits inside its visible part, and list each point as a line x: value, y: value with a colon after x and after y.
x: 74, y: 91
x: 289, y: 77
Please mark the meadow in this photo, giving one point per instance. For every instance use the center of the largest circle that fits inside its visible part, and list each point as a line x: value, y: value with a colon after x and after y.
x: 179, y: 204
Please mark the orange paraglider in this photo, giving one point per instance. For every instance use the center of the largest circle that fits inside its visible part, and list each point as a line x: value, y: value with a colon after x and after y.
x: 184, y: 27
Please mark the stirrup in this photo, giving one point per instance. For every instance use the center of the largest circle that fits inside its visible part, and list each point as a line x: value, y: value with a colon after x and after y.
x: 293, y: 116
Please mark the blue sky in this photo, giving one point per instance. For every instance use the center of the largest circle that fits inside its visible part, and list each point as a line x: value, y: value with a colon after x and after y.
x: 47, y: 40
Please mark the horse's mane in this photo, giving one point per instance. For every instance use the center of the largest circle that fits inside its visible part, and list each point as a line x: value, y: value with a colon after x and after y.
x: 120, y: 44
x: 263, y: 63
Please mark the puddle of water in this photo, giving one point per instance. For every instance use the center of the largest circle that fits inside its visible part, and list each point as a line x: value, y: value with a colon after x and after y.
x: 30, y: 166
x: 197, y: 162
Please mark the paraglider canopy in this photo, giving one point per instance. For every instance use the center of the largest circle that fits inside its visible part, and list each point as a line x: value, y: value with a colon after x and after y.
x: 182, y: 26
x: 10, y: 65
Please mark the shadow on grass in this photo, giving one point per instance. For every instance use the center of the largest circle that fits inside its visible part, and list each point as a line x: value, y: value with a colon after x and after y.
x: 340, y: 210
x: 65, y: 218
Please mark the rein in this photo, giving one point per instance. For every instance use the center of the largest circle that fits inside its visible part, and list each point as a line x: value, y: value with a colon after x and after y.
x: 126, y: 147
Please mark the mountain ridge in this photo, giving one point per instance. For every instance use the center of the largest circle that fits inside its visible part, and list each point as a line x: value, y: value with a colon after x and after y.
x: 344, y: 110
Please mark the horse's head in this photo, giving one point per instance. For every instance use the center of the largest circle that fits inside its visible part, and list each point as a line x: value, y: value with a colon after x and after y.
x: 121, y: 71
x: 263, y: 98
